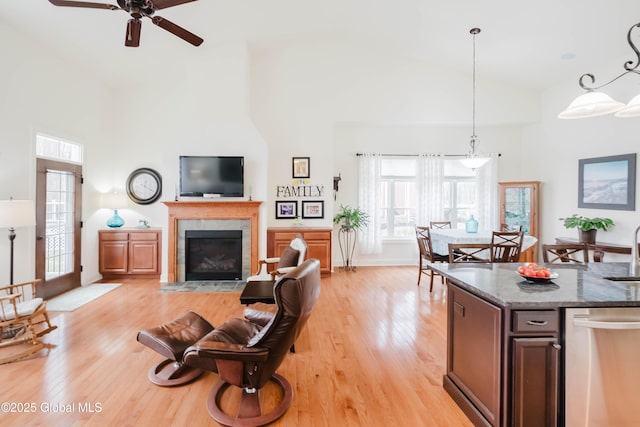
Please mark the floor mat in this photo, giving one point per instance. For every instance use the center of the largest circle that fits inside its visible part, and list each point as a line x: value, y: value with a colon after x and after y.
x: 76, y: 298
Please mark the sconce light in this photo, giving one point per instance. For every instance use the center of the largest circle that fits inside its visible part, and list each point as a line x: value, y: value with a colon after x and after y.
x: 592, y: 103
x: 474, y: 160
x: 336, y: 181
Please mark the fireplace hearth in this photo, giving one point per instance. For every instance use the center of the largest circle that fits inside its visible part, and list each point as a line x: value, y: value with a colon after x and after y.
x: 213, y: 255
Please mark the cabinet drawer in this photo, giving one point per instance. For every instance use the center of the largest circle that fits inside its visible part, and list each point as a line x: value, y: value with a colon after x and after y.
x: 137, y: 235
x: 316, y: 235
x: 114, y: 236
x: 285, y: 236
x: 535, y: 321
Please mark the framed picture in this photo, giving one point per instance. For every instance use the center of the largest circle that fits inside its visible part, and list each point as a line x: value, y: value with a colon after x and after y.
x: 312, y: 209
x: 608, y: 182
x: 301, y: 167
x: 286, y: 209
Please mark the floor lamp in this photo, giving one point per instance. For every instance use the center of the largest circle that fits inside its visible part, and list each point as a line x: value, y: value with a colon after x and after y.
x: 15, y: 214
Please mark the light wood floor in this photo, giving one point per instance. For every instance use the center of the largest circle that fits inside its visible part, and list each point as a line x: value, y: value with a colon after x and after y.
x: 372, y: 354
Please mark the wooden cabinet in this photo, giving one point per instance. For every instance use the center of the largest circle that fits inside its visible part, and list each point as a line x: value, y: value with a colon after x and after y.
x: 475, y: 346
x: 535, y: 354
x: 502, y: 372
x: 131, y: 252
x: 519, y: 207
x: 318, y: 242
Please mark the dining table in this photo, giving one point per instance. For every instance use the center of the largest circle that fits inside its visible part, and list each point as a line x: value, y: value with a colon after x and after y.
x: 440, y: 239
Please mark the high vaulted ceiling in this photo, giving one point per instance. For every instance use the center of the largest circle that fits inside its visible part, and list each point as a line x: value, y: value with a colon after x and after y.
x: 533, y: 44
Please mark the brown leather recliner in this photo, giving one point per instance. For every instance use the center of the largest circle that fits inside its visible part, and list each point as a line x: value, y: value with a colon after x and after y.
x: 247, y: 352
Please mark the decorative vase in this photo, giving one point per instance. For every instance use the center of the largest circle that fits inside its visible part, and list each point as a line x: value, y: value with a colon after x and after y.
x: 116, y: 220
x: 588, y: 236
x: 471, y: 226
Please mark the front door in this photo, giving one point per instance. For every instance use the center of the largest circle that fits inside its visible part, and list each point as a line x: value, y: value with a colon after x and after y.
x: 58, y: 218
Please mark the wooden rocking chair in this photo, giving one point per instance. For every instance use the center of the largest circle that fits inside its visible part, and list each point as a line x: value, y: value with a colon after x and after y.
x: 23, y: 320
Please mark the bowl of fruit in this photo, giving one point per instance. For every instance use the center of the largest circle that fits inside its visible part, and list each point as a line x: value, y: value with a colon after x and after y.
x: 535, y: 273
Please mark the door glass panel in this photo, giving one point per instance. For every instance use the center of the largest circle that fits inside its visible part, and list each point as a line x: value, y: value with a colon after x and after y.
x: 59, y: 233
x: 517, y: 208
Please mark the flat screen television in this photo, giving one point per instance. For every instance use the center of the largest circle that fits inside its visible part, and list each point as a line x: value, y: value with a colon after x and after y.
x: 212, y: 176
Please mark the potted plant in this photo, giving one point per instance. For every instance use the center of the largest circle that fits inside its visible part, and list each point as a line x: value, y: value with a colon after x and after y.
x: 350, y: 221
x: 587, y: 227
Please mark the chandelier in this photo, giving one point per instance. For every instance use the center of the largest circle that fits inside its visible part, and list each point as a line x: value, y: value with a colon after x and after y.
x: 474, y: 160
x: 593, y: 103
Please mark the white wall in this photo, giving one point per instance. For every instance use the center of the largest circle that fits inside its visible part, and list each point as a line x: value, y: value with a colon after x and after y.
x: 325, y: 101
x: 552, y: 148
x: 331, y: 100
x: 41, y: 93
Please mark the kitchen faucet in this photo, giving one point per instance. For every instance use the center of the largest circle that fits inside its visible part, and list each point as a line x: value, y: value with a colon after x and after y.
x: 634, y: 265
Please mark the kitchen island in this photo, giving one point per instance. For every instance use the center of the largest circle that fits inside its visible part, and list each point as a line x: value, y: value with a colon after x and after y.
x: 505, y: 336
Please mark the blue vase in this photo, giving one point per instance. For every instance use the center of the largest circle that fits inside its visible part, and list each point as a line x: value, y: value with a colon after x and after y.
x: 116, y: 220
x: 471, y: 225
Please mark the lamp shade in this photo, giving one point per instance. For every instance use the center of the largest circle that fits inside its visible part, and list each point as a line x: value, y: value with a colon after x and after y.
x: 474, y: 162
x: 631, y: 110
x: 17, y: 213
x: 591, y: 104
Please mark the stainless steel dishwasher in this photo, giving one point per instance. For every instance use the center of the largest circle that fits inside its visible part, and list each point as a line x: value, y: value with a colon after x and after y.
x: 602, y: 367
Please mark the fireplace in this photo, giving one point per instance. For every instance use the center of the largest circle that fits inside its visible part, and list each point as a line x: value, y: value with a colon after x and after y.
x: 213, y: 255
x: 211, y: 215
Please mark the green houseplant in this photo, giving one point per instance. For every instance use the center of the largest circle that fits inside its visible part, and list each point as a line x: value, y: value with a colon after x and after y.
x: 587, y: 227
x: 350, y: 221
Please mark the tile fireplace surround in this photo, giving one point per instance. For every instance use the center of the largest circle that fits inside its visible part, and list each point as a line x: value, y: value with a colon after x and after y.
x: 189, y: 211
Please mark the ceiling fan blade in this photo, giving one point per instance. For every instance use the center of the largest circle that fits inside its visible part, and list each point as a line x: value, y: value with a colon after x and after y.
x: 132, y: 38
x: 84, y: 4
x: 163, y: 4
x: 177, y: 30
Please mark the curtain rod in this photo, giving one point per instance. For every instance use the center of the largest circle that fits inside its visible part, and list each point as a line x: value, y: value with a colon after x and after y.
x: 415, y: 155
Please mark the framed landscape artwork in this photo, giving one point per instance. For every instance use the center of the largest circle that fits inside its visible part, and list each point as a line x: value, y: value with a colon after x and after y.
x: 286, y: 210
x: 608, y: 182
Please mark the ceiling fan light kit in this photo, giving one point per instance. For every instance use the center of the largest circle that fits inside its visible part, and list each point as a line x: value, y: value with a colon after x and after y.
x: 139, y: 9
x: 593, y: 103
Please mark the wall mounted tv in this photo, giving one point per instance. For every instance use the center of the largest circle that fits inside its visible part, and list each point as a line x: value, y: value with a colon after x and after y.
x: 212, y: 176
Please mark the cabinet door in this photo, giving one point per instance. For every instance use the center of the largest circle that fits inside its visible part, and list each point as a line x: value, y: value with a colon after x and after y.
x: 143, y: 252
x: 535, y: 379
x: 143, y: 257
x: 474, y: 350
x: 114, y: 256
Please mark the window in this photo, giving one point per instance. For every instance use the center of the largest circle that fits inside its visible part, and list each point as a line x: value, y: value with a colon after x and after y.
x: 398, y: 190
x: 398, y: 197
x: 58, y: 149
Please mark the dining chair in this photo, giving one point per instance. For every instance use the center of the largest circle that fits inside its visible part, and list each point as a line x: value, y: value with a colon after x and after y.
x: 427, y: 256
x: 572, y: 253
x: 469, y: 252
x: 506, y: 246
x: 439, y: 224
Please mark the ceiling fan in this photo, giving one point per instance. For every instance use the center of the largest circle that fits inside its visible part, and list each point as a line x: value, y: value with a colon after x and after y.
x: 139, y: 9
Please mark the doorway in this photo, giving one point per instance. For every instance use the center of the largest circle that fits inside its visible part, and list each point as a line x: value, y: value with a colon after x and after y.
x: 58, y: 218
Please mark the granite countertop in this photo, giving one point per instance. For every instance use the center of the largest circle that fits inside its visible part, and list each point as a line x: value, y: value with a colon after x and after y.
x: 577, y: 285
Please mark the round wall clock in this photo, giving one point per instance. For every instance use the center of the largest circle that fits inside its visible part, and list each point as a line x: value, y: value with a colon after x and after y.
x: 144, y: 186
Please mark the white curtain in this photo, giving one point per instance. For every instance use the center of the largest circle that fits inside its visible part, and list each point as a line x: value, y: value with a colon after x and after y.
x: 487, y: 195
x: 429, y: 184
x: 369, y: 172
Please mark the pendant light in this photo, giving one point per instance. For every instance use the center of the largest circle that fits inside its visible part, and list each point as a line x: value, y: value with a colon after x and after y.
x: 474, y: 160
x: 593, y: 103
